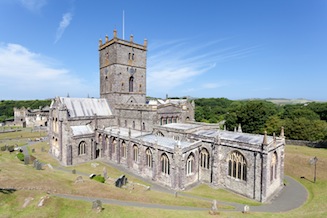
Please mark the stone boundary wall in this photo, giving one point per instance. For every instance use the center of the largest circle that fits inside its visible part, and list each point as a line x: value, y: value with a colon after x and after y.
x: 316, y: 144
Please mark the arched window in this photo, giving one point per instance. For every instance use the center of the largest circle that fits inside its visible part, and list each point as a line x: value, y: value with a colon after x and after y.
x: 204, y: 158
x: 124, y: 150
x: 81, y: 148
x: 143, y: 126
x: 125, y: 123
x: 133, y: 124
x: 135, y: 153
x: 190, y: 164
x: 148, y: 155
x: 165, y: 166
x: 131, y: 81
x: 237, y: 167
x: 114, y: 144
x: 273, y: 167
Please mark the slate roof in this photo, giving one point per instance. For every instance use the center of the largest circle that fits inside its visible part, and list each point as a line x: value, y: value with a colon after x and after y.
x: 81, y: 107
x: 235, y: 136
x: 182, y: 126
x: 82, y: 130
x: 164, y: 141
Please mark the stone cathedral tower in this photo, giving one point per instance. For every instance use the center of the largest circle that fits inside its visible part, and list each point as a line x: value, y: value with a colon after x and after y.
x: 122, y: 71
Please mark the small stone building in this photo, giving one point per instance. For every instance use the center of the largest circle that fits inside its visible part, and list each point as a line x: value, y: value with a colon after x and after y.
x: 159, y: 139
x: 26, y: 117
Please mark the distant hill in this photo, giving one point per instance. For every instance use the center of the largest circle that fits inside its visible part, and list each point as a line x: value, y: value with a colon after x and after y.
x: 284, y: 101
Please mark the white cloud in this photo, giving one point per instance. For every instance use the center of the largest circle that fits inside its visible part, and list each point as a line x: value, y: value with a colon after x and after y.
x: 64, y: 23
x: 27, y: 75
x: 33, y: 5
x: 174, y: 64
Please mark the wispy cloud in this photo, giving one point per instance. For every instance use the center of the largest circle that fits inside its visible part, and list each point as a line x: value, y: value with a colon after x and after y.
x: 64, y: 23
x: 28, y: 75
x: 33, y: 5
x: 173, y: 64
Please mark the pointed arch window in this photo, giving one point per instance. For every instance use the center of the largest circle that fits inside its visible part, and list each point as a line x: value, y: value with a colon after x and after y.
x: 131, y: 83
x: 165, y: 166
x: 190, y: 164
x: 135, y: 153
x: 204, y: 158
x: 148, y: 155
x: 81, y: 148
x: 273, y: 167
x: 237, y: 167
x: 124, y: 150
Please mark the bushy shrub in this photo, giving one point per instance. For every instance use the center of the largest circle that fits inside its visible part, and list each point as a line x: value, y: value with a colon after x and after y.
x: 20, y: 156
x: 3, y: 148
x: 99, y: 178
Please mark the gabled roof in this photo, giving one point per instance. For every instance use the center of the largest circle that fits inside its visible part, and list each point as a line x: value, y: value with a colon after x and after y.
x: 81, y: 107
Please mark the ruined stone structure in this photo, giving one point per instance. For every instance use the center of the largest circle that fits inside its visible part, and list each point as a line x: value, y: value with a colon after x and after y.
x: 26, y: 117
x: 159, y: 139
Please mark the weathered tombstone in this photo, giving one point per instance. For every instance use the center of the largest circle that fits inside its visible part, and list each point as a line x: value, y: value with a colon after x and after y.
x: 35, y: 163
x: 105, y: 174
x: 33, y: 150
x: 73, y: 171
x: 39, y: 166
x: 27, y: 201
x: 79, y: 179
x: 97, y: 205
x: 176, y: 194
x: 118, y: 183
x: 41, y: 202
x: 125, y: 180
x: 246, y: 209
x: 214, y: 208
x: 26, y: 160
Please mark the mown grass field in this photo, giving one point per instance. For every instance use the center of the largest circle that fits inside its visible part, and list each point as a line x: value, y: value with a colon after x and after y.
x: 31, y: 183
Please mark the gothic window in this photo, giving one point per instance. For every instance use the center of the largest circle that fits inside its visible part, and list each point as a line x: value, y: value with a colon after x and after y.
x: 165, y: 166
x: 140, y: 88
x: 125, y: 123
x: 135, y: 153
x: 237, y: 167
x: 133, y: 124
x: 133, y: 56
x: 114, y: 144
x: 129, y: 56
x: 124, y: 150
x: 190, y: 164
x: 273, y: 167
x: 204, y: 158
x: 143, y: 126
x: 148, y: 158
x: 81, y: 148
x: 131, y: 81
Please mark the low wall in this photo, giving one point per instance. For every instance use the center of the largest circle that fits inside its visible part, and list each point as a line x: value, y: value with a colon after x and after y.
x: 316, y: 144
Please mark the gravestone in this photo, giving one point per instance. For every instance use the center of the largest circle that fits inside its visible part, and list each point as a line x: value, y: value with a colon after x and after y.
x: 33, y: 150
x: 27, y: 201
x: 97, y: 205
x: 118, y: 183
x: 246, y: 209
x: 26, y: 160
x: 105, y: 174
x: 79, y: 179
x: 37, y: 165
x: 73, y: 171
x: 214, y: 208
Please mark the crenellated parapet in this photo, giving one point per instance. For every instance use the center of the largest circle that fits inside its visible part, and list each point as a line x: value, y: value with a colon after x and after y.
x: 115, y: 39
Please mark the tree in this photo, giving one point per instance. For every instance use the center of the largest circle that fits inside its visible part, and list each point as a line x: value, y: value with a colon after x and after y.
x: 305, y: 129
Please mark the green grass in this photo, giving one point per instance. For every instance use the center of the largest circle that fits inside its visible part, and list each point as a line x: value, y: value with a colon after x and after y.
x: 206, y: 191
x: 13, y: 173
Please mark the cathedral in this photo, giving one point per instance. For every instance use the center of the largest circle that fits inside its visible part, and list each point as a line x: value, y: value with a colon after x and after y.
x: 159, y: 139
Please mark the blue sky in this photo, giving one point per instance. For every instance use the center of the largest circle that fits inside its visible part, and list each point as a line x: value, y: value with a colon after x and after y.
x: 211, y: 48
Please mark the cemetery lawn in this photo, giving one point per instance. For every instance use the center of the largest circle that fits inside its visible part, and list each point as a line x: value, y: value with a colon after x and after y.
x: 19, y: 181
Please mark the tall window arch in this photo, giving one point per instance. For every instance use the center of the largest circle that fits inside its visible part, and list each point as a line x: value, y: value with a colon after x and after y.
x: 124, y: 150
x: 237, y: 167
x: 148, y: 155
x: 190, y: 164
x: 273, y: 167
x: 165, y: 166
x: 135, y: 153
x: 81, y: 148
x: 204, y: 158
x: 131, y: 83
x: 114, y: 144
